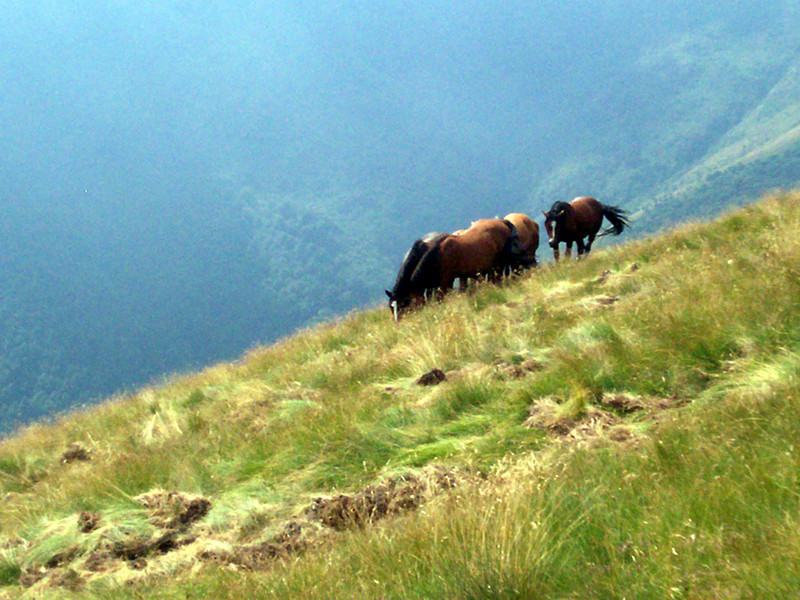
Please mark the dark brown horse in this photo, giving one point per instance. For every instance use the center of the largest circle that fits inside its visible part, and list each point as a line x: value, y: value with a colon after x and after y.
x: 485, y: 249
x: 403, y: 296
x: 579, y: 220
x: 528, y: 232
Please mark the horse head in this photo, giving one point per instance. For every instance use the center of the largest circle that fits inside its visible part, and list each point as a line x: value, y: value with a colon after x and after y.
x: 397, y: 304
x: 554, y: 220
x: 408, y: 291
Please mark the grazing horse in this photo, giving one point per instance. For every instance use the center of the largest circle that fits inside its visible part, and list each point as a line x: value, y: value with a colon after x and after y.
x: 403, y: 296
x: 579, y: 219
x: 486, y: 248
x: 528, y: 232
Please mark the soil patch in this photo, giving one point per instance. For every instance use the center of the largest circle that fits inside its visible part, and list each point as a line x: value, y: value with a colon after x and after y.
x: 434, y: 377
x: 326, y: 516
x: 549, y: 415
x: 61, y: 558
x: 294, y: 538
x: 75, y: 453
x: 607, y: 419
x: 397, y: 495
x: 174, y: 513
x: 626, y: 403
x: 174, y: 510
x: 66, y: 578
x: 88, y: 521
x: 518, y: 371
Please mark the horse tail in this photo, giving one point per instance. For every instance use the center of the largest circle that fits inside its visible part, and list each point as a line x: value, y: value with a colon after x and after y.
x: 513, y: 247
x: 514, y: 256
x: 618, y: 218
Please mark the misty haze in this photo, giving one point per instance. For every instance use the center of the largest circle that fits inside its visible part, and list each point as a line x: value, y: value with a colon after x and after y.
x: 180, y: 182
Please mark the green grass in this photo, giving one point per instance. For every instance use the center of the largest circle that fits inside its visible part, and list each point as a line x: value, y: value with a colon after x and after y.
x: 694, y: 496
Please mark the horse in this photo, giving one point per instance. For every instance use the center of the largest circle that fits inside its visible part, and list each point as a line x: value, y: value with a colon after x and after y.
x: 528, y: 231
x: 486, y: 248
x: 402, y: 297
x: 570, y: 222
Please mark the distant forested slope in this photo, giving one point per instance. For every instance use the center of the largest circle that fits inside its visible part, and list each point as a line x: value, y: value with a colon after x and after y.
x: 180, y: 182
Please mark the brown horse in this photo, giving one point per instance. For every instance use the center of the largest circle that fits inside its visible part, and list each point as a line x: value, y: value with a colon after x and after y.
x: 403, y: 295
x: 486, y: 248
x: 579, y: 219
x: 528, y: 231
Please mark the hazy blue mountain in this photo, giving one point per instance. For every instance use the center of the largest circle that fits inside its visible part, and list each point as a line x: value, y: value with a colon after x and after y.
x: 181, y: 180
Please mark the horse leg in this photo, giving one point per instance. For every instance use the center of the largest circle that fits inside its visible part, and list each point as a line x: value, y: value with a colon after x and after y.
x: 581, y: 248
x: 556, y: 253
x: 446, y: 286
x: 568, y: 252
x: 589, y: 243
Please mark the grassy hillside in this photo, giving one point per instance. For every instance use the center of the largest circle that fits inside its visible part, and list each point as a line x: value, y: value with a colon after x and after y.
x: 623, y: 426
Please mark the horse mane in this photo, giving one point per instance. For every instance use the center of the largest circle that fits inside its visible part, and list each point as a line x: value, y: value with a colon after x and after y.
x: 410, y: 262
x: 559, y: 206
x: 427, y: 273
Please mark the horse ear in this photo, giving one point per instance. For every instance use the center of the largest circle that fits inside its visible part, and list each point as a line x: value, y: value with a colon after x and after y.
x: 388, y: 293
x: 546, y: 216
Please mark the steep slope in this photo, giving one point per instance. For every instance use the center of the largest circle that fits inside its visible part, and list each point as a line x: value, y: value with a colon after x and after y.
x: 633, y: 415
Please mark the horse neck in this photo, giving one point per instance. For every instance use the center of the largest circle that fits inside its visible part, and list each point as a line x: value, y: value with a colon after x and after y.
x: 410, y: 262
x: 427, y: 272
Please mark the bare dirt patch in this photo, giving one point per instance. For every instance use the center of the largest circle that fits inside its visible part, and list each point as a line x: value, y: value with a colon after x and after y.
x: 75, y: 453
x: 392, y: 497
x: 295, y: 537
x: 88, y: 521
x: 67, y: 578
x: 174, y: 514
x: 523, y: 369
x: 434, y: 377
x: 551, y: 416
x: 328, y: 515
x: 627, y: 403
x: 174, y: 510
x: 608, y: 419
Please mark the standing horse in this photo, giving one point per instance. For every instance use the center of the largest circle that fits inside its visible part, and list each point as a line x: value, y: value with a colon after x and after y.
x: 579, y: 219
x: 528, y: 232
x: 486, y: 248
x: 403, y: 296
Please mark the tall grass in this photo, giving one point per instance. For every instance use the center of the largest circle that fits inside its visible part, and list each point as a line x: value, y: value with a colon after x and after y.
x: 697, y: 502
x: 707, y: 508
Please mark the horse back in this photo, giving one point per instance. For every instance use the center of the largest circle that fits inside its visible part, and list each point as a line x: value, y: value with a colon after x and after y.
x: 586, y: 215
x: 527, y: 229
x: 475, y: 250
